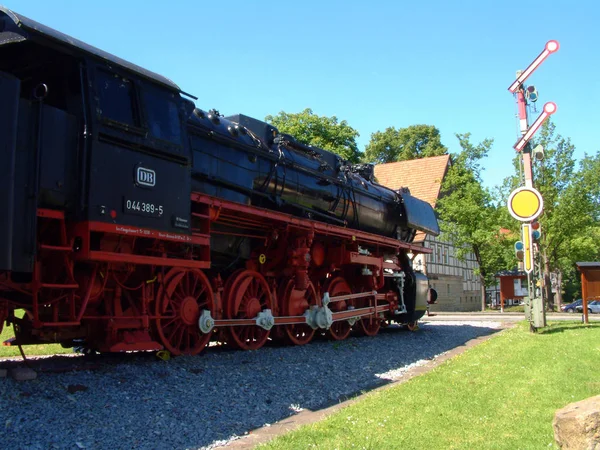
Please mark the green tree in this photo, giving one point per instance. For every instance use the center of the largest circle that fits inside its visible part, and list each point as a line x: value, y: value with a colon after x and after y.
x: 469, y: 215
x: 319, y: 131
x: 415, y: 141
x: 569, y: 221
x: 571, y: 228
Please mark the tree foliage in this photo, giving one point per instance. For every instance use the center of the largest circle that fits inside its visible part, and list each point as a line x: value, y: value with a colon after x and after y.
x: 415, y: 141
x: 580, y: 209
x: 569, y: 221
x: 319, y: 131
x: 469, y: 215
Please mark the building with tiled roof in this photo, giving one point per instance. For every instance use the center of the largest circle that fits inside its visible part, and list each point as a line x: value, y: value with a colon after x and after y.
x: 455, y: 281
x: 411, y: 174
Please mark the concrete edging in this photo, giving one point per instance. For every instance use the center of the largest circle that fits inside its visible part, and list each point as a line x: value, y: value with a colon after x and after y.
x: 267, y: 433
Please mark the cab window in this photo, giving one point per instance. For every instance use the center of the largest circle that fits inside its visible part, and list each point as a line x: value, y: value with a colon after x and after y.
x: 117, y: 99
x: 162, y: 114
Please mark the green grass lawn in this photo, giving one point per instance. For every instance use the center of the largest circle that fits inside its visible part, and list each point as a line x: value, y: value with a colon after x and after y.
x: 501, y: 394
x: 519, y: 309
x: 29, y: 350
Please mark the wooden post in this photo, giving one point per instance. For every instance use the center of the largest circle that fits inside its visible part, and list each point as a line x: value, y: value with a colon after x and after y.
x: 584, y: 294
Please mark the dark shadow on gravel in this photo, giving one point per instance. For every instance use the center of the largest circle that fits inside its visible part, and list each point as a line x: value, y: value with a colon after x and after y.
x: 139, y: 401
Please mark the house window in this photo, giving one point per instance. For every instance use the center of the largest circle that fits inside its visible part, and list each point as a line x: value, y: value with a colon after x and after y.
x: 520, y: 287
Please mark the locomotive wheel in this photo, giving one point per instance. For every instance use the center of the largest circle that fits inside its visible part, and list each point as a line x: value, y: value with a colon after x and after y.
x: 246, y: 296
x: 341, y: 329
x: 295, y: 303
x: 180, y: 302
x: 369, y: 326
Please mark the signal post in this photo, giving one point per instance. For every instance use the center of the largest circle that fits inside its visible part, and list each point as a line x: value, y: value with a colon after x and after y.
x: 526, y: 203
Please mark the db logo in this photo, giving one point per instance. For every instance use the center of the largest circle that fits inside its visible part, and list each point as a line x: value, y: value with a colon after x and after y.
x: 145, y: 177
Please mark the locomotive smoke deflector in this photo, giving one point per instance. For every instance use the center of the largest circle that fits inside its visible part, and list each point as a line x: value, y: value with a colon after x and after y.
x: 419, y: 214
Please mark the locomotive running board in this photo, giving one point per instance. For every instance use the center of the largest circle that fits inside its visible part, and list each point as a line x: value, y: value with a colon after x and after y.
x: 83, y: 230
x: 328, y: 229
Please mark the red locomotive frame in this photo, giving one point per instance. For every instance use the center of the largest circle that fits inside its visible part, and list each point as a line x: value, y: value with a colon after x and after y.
x: 122, y: 288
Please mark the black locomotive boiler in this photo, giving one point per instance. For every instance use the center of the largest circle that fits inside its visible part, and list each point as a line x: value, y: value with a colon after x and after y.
x: 134, y: 220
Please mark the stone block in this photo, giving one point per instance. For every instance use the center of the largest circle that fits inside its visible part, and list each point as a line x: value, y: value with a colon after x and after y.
x: 577, y: 425
x: 23, y: 374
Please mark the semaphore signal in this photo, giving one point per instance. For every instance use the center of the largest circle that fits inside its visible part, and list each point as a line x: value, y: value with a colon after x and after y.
x: 525, y: 203
x: 551, y: 47
x: 549, y: 109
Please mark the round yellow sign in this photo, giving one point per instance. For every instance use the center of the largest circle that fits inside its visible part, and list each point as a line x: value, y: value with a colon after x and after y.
x: 525, y: 204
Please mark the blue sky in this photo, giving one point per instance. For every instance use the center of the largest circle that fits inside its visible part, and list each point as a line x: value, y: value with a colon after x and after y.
x: 372, y: 63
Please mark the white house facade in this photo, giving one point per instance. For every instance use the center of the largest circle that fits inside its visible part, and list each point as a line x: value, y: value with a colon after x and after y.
x: 456, y: 282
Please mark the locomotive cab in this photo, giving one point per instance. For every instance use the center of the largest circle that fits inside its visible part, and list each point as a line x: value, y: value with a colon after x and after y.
x: 40, y: 113
x: 89, y: 135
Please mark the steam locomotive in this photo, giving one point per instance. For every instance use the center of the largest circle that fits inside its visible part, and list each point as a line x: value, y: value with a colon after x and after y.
x: 134, y: 220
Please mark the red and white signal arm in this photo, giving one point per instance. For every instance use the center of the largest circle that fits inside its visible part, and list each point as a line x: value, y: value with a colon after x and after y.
x: 549, y: 48
x: 549, y: 109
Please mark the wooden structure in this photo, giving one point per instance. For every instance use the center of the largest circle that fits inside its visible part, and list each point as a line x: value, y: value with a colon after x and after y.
x: 507, y: 285
x: 590, y: 284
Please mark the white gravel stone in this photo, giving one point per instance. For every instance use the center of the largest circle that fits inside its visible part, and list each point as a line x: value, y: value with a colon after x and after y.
x: 205, y: 401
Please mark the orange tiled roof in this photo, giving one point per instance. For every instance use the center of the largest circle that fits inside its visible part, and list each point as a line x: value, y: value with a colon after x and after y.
x: 423, y: 177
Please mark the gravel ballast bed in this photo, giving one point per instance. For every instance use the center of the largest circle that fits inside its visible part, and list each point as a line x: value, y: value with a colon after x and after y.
x: 199, y: 402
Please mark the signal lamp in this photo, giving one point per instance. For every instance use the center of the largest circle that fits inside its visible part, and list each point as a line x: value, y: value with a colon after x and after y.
x: 536, y: 234
x: 538, y: 152
x: 519, y: 250
x: 532, y: 94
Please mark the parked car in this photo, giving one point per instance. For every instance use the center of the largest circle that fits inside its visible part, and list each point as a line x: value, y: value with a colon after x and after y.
x: 571, y: 307
x: 593, y: 307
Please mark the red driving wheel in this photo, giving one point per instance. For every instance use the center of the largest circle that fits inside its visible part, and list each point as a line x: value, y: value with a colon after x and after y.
x: 341, y: 329
x: 180, y: 302
x: 294, y: 303
x: 246, y: 295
